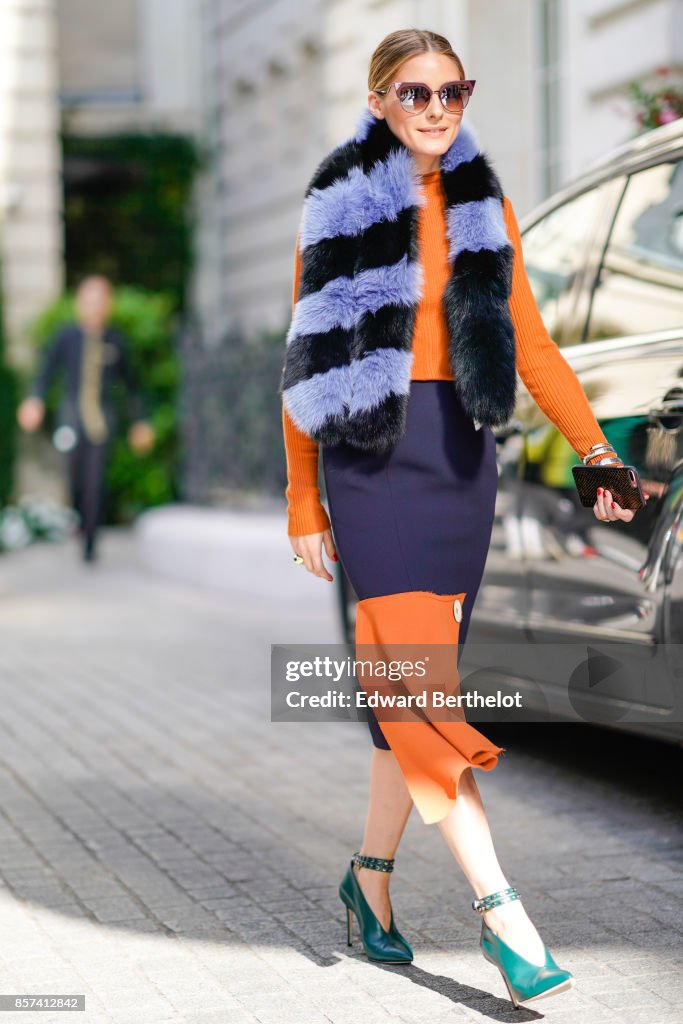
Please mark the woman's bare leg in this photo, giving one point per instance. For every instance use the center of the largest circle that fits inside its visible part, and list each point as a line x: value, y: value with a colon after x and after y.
x: 468, y: 836
x: 467, y: 833
x: 389, y: 808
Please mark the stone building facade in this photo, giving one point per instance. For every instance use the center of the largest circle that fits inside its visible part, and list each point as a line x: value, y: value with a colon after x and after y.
x: 30, y: 190
x: 282, y: 81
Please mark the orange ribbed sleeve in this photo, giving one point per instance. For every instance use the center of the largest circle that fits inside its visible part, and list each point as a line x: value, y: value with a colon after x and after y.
x: 305, y: 511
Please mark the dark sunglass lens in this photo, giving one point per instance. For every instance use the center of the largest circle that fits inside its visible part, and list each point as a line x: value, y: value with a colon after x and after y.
x: 414, y: 98
x: 456, y: 97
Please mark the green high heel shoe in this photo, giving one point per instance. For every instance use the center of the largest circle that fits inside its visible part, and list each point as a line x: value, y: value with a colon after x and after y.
x: 526, y: 982
x: 382, y: 946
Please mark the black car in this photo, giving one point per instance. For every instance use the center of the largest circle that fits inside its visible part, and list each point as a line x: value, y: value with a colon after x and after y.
x: 605, y: 260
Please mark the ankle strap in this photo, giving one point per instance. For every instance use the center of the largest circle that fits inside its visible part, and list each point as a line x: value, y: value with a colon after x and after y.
x: 377, y: 863
x: 495, y: 899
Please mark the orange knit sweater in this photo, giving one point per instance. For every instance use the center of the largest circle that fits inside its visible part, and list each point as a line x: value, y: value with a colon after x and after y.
x: 540, y: 364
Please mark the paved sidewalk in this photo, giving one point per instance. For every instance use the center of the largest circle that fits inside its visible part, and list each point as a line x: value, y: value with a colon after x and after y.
x: 168, y: 851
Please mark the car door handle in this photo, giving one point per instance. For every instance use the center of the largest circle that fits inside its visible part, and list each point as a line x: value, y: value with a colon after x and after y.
x: 669, y: 415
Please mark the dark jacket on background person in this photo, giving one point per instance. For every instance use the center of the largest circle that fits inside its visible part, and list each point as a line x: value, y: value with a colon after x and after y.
x: 64, y: 354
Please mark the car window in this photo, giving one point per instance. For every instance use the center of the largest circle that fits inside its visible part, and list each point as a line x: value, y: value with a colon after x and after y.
x: 640, y: 284
x: 555, y: 250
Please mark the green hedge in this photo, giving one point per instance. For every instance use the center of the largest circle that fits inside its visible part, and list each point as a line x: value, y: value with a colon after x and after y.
x: 8, y: 431
x: 9, y: 389
x: 147, y: 319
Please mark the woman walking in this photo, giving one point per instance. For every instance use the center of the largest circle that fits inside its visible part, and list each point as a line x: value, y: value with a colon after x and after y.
x: 412, y: 313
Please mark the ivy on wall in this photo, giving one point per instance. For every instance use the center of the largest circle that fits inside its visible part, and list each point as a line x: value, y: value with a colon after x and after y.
x: 127, y: 209
x: 128, y: 215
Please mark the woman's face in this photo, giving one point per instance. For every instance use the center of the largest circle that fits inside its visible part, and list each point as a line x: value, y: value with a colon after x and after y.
x: 434, y: 69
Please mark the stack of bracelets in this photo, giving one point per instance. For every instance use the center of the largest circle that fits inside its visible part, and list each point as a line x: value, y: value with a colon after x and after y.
x: 602, y: 448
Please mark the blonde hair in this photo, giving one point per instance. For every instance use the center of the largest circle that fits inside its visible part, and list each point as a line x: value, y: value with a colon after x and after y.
x: 398, y: 47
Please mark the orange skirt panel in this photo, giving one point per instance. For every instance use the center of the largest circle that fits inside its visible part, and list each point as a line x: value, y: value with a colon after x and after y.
x: 432, y: 751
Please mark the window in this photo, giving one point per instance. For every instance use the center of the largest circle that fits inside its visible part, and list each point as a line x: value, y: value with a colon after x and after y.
x: 640, y: 284
x: 555, y: 250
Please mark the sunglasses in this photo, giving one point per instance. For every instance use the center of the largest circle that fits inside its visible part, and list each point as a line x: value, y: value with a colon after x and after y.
x: 415, y: 97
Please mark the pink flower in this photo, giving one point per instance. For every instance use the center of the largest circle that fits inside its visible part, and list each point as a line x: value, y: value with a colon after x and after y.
x: 662, y: 72
x: 667, y: 116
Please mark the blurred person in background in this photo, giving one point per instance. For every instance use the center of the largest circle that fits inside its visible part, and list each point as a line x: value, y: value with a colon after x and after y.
x: 93, y: 356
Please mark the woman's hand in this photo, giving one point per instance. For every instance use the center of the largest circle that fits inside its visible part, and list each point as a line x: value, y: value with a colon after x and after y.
x: 606, y: 508
x: 310, y: 546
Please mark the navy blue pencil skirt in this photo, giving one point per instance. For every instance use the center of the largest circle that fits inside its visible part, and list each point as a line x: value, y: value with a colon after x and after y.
x: 419, y: 517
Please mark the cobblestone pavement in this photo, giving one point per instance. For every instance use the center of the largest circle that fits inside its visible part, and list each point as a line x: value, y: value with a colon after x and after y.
x: 171, y: 853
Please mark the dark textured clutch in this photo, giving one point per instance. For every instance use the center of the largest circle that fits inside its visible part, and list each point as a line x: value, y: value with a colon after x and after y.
x: 622, y: 482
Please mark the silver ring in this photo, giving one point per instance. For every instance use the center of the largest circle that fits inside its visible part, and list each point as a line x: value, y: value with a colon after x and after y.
x: 298, y: 559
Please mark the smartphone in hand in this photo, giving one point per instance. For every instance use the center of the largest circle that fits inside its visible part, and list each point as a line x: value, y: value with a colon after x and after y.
x: 622, y: 482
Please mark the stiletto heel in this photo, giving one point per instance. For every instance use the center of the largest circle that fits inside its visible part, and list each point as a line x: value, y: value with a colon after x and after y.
x: 379, y: 944
x: 526, y: 982
x: 513, y: 997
